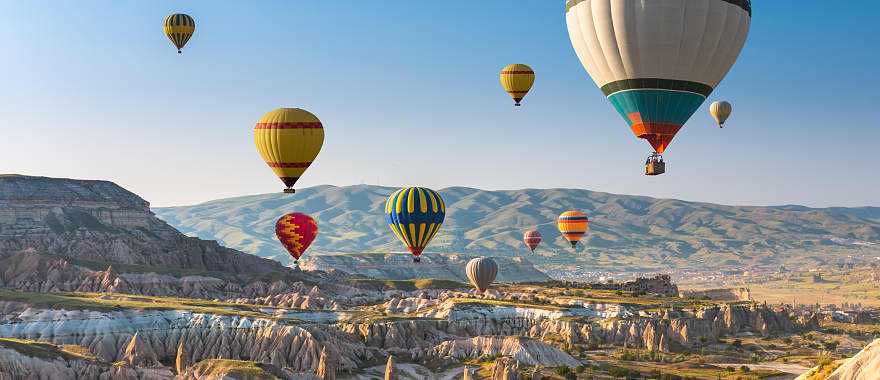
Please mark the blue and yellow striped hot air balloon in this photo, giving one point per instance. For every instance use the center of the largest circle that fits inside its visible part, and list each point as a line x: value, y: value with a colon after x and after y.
x: 415, y: 214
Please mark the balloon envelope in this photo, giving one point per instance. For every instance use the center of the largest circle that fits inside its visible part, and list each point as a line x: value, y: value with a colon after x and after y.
x: 532, y: 239
x: 517, y: 79
x: 296, y: 232
x: 481, y: 272
x: 179, y: 28
x: 720, y: 111
x: 288, y: 140
x: 573, y: 225
x: 414, y: 215
x: 657, y: 61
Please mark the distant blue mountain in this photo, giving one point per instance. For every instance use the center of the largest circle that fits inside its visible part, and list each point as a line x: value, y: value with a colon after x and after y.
x: 625, y: 230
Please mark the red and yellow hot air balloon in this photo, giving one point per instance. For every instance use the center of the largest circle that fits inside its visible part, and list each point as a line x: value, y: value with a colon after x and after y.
x: 532, y: 238
x: 573, y: 225
x: 517, y: 79
x: 296, y: 232
x: 289, y: 139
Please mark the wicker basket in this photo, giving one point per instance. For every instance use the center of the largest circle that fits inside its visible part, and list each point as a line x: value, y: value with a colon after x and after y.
x: 655, y: 168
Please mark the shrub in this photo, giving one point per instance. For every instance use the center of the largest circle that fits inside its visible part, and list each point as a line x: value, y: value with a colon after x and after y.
x: 830, y: 345
x: 562, y: 371
x: 745, y: 369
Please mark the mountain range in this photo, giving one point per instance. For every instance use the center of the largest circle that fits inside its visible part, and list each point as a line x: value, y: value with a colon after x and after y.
x: 633, y: 231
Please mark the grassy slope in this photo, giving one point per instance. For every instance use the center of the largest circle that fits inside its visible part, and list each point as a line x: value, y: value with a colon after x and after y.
x: 46, y: 351
x: 115, y: 302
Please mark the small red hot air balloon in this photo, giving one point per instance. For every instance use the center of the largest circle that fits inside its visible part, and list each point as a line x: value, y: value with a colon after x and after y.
x: 296, y: 231
x: 532, y: 238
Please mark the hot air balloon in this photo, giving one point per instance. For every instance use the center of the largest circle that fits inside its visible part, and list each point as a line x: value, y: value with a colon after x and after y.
x: 179, y: 28
x: 532, y: 238
x: 296, y: 232
x: 415, y: 214
x: 573, y: 225
x: 720, y: 111
x: 517, y: 80
x: 657, y: 61
x: 481, y: 271
x: 289, y: 139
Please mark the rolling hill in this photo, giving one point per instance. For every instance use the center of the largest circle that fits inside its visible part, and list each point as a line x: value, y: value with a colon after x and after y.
x: 631, y: 231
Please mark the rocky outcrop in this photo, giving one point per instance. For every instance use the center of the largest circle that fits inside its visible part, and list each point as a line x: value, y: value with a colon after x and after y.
x: 327, y: 365
x: 41, y: 361
x: 468, y: 374
x: 98, y: 221
x: 863, y: 366
x: 661, y: 284
x: 222, y: 369
x: 524, y: 350
x: 390, y: 369
x: 107, y: 335
x: 671, y: 331
x: 138, y: 354
x: 180, y: 363
x: 505, y: 369
x: 35, y: 272
x: 726, y: 294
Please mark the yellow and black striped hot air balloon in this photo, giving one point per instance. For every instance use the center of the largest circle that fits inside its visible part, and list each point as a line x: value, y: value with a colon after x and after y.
x: 517, y: 80
x: 573, y: 225
x: 289, y: 139
x: 415, y: 214
x: 179, y: 28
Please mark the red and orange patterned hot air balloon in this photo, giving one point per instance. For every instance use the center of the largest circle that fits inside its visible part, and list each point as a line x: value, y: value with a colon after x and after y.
x: 532, y: 238
x: 296, y: 232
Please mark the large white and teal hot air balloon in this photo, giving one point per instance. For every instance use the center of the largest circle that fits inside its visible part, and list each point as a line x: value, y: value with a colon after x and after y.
x: 657, y: 60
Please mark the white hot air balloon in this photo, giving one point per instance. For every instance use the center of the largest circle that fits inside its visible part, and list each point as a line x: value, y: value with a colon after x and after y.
x: 720, y: 111
x: 481, y: 271
x: 657, y: 60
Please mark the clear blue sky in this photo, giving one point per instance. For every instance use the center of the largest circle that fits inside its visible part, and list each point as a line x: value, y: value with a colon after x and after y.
x: 409, y: 94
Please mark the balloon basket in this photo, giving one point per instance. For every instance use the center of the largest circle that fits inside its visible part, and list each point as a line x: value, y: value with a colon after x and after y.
x: 416, y: 260
x: 655, y: 168
x: 289, y: 191
x: 654, y: 165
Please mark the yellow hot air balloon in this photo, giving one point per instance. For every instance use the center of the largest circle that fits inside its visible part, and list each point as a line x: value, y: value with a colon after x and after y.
x: 517, y: 80
x: 573, y: 225
x: 720, y: 111
x: 289, y: 139
x: 179, y: 28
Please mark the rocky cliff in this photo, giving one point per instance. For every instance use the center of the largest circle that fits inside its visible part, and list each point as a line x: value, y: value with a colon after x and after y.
x: 94, y: 236
x: 863, y: 366
x: 108, y: 335
x: 21, y: 359
x: 98, y: 221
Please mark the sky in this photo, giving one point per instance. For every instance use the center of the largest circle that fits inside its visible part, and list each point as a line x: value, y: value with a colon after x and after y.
x: 408, y: 94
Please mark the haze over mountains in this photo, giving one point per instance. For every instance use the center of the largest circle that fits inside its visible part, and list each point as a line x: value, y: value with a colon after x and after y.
x: 635, y: 231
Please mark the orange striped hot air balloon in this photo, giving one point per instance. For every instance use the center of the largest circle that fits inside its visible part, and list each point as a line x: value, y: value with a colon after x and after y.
x: 573, y: 225
x: 296, y: 231
x: 289, y: 139
x: 517, y: 80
